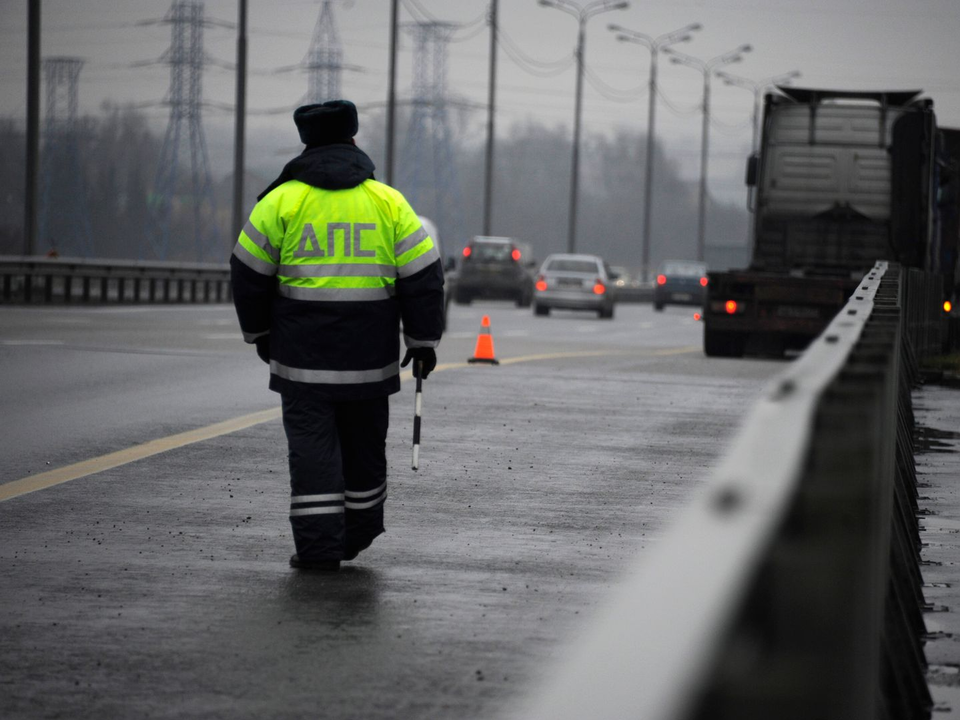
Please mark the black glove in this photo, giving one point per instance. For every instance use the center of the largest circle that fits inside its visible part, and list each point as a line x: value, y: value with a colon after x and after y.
x: 425, y: 355
x: 263, y: 348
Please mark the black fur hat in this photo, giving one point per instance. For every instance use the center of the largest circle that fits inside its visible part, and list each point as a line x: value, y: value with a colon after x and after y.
x: 325, y: 123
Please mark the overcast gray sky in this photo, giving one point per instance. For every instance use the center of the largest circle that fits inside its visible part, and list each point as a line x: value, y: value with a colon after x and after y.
x: 855, y: 44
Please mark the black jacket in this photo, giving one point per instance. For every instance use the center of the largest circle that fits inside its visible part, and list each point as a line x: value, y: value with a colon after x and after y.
x: 334, y: 349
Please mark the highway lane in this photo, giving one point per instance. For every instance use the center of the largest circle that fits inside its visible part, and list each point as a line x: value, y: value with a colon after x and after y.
x: 83, y: 382
x: 160, y: 588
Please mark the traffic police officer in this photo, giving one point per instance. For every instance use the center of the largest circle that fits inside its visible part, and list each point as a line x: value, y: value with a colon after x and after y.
x: 329, y: 264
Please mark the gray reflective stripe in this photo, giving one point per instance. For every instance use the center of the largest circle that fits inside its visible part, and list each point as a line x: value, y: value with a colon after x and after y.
x: 364, y: 505
x: 367, y: 493
x: 317, y: 511
x: 418, y: 264
x: 253, y: 262
x: 334, y: 377
x: 330, y: 497
x: 338, y: 270
x: 336, y: 294
x: 250, y: 337
x: 414, y: 343
x: 411, y: 240
x: 261, y: 240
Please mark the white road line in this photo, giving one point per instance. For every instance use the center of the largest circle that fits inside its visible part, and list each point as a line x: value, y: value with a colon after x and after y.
x: 27, y: 343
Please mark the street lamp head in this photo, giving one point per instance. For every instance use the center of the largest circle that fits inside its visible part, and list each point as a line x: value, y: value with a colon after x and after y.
x: 623, y: 5
x: 745, y: 48
x: 693, y: 27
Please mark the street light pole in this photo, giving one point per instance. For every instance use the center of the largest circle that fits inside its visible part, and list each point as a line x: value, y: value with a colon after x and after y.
x: 653, y: 44
x: 240, y: 116
x: 707, y: 68
x: 392, y: 92
x: 582, y: 15
x: 31, y: 190
x: 491, y: 112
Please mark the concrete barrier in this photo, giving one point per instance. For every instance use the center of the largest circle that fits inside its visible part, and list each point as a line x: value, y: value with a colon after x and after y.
x: 791, y: 587
x: 43, y: 280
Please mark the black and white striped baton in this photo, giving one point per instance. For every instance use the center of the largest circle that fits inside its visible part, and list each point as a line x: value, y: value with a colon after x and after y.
x: 418, y: 371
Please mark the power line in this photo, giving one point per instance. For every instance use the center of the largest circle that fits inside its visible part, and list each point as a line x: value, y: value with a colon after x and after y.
x: 677, y: 110
x: 505, y: 41
x: 611, y: 93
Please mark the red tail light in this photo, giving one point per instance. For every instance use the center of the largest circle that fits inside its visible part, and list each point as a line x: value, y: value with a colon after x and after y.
x: 947, y: 306
x: 515, y: 255
x: 703, y: 281
x: 541, y: 284
x: 466, y: 252
x: 730, y: 306
x: 598, y: 288
x: 661, y: 279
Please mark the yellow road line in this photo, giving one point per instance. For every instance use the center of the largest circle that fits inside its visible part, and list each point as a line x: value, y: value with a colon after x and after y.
x: 137, y: 452
x: 172, y: 442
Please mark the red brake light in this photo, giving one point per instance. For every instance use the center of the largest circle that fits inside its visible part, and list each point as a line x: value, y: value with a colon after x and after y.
x: 466, y: 252
x: 661, y: 279
x: 598, y: 288
x: 947, y: 306
x: 703, y: 281
x: 730, y: 306
x: 515, y: 255
x: 541, y: 284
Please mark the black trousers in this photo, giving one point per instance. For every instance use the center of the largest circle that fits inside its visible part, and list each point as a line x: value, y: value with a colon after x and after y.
x: 338, y: 474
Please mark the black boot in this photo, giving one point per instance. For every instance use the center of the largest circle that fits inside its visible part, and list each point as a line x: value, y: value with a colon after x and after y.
x: 321, y: 565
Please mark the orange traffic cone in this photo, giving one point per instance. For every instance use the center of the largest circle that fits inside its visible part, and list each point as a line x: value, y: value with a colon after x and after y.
x: 483, y: 353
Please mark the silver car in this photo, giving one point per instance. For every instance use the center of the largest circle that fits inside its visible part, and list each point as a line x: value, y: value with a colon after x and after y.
x: 574, y: 282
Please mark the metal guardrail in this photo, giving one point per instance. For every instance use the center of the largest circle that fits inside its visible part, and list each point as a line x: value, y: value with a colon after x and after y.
x: 791, y: 587
x: 37, y: 279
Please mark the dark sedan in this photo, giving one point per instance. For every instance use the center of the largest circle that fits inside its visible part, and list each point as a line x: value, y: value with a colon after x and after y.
x: 680, y: 282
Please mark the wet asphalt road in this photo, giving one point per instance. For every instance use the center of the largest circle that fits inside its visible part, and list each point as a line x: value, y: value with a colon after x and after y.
x: 160, y: 588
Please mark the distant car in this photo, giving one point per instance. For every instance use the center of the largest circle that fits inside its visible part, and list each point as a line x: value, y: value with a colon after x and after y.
x: 574, y: 282
x: 493, y: 268
x: 680, y: 282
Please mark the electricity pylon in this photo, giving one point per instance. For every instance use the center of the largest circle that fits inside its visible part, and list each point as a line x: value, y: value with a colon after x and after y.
x: 324, y: 59
x: 186, y: 59
x: 64, y: 214
x: 429, y: 145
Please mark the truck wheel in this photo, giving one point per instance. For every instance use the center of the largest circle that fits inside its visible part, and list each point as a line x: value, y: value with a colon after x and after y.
x: 539, y: 309
x: 658, y: 306
x: 462, y: 298
x: 525, y: 299
x: 721, y: 344
x: 606, y: 313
